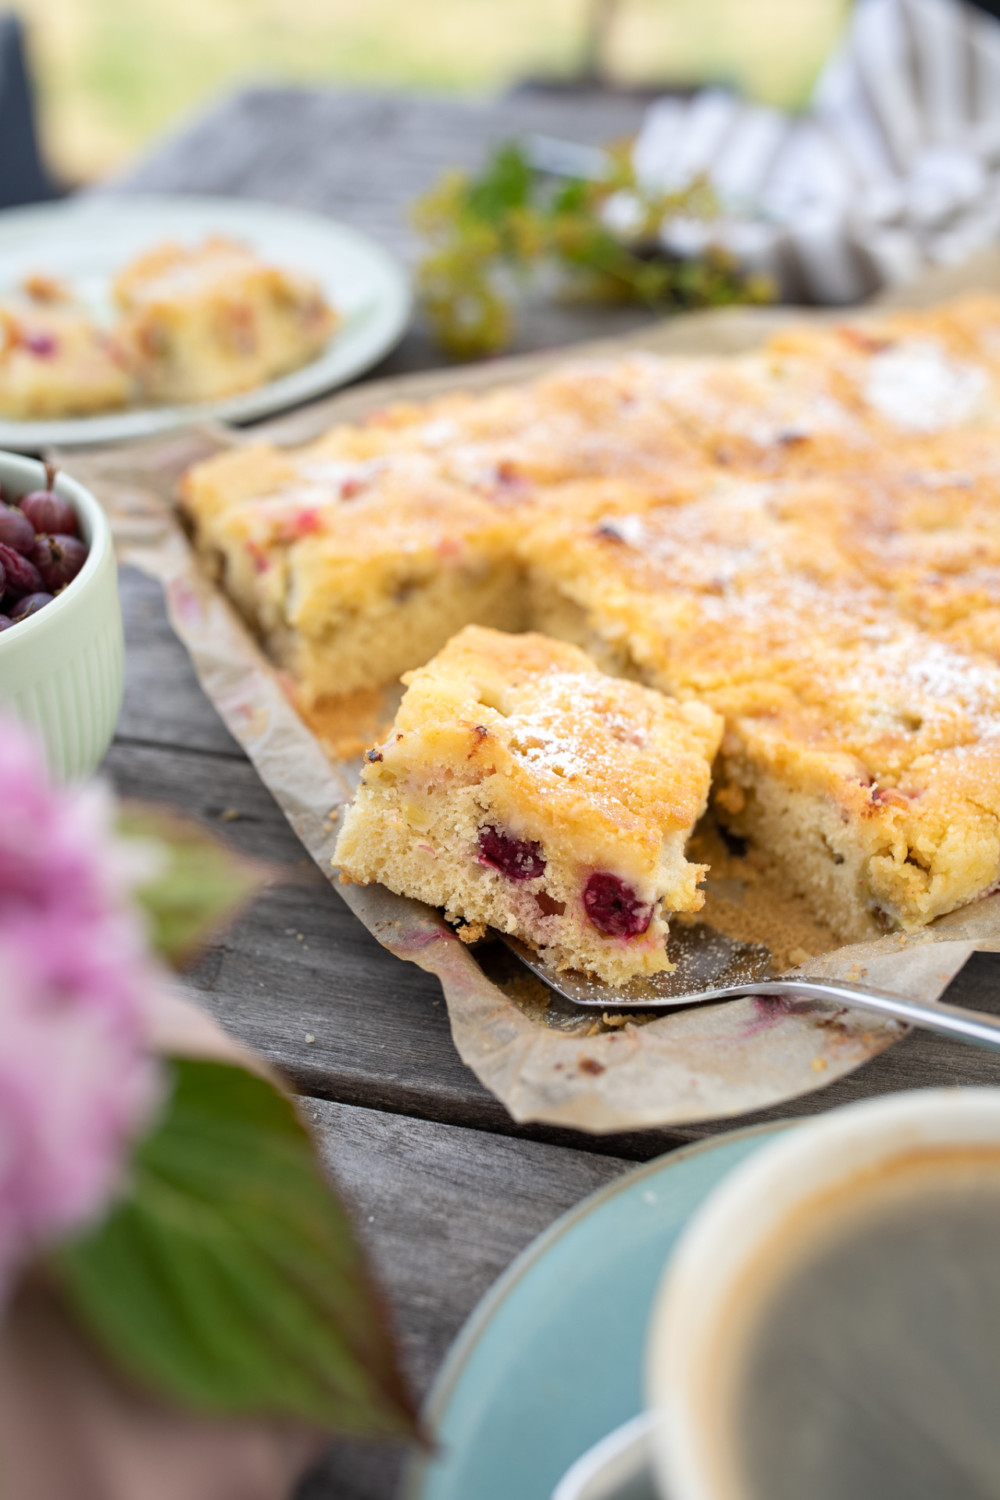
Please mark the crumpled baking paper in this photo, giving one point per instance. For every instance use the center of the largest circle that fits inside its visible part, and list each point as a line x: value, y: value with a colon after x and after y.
x: 689, y: 1065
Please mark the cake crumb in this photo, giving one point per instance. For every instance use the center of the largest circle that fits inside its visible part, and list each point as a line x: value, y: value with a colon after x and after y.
x: 748, y: 898
x: 347, y: 725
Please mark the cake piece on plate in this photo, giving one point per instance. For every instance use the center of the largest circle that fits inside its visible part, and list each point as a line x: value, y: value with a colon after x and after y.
x: 202, y: 322
x: 54, y: 359
x: 520, y: 788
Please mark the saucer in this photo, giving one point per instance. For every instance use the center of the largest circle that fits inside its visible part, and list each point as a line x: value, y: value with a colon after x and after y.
x: 552, y: 1358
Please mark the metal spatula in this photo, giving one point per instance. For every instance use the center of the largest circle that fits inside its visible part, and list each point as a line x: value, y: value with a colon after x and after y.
x: 712, y: 967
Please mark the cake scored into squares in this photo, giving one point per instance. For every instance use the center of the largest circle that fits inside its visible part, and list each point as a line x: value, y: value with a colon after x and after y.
x: 354, y: 570
x: 860, y: 751
x: 54, y: 359
x: 202, y: 322
x: 352, y: 573
x: 521, y: 788
x: 804, y: 539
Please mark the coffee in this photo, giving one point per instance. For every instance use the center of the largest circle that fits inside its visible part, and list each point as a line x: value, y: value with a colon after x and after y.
x: 867, y: 1363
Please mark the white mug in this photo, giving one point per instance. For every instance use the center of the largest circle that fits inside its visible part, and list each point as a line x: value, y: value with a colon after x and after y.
x: 696, y: 1313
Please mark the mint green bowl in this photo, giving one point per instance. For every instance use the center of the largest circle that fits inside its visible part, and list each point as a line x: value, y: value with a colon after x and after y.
x: 61, y: 671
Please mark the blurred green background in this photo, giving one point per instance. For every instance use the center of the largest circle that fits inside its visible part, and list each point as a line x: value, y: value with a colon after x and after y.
x: 113, y: 74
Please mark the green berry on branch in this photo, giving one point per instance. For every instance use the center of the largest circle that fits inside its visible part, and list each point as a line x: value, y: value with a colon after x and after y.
x: 485, y: 233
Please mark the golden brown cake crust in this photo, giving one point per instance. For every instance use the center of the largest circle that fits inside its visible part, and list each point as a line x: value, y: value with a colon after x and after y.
x: 572, y: 743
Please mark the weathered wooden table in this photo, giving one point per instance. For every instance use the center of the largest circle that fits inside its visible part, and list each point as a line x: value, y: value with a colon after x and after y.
x: 445, y: 1188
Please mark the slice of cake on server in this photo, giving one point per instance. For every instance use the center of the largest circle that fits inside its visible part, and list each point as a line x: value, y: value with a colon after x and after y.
x: 520, y: 788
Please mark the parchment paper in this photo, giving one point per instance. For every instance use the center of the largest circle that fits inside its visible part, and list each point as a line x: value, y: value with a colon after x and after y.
x: 704, y: 1063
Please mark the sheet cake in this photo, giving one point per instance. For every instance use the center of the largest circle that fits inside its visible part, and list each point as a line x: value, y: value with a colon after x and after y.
x: 803, y: 540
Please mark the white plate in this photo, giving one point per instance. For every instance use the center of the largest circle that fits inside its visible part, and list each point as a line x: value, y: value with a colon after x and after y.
x: 86, y: 241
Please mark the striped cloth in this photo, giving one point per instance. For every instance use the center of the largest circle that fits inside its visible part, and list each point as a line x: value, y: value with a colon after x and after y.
x: 896, y: 165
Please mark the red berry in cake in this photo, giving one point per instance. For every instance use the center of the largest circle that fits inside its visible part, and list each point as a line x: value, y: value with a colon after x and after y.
x: 614, y: 908
x: 50, y: 513
x: 22, y: 576
x: 518, y: 859
x: 29, y: 605
x: 58, y: 559
x: 16, y: 530
x: 43, y: 345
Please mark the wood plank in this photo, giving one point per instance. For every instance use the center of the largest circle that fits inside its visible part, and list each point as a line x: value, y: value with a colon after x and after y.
x: 359, y: 154
x: 443, y: 1211
x: 164, y: 703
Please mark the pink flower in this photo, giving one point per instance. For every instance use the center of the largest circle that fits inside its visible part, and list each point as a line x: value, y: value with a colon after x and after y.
x: 77, y: 1082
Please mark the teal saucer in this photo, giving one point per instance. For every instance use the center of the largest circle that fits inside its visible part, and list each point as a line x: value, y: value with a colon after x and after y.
x: 551, y: 1360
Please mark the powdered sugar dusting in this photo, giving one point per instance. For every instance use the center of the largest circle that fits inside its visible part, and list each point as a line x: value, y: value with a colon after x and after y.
x: 577, y: 727
x: 440, y: 432
x: 707, y: 544
x: 541, y: 748
x: 939, y: 688
x: 558, y: 736
x: 915, y: 386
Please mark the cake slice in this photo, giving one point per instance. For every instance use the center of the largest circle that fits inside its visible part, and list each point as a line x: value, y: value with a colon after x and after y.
x: 54, y: 359
x: 202, y: 322
x: 520, y: 788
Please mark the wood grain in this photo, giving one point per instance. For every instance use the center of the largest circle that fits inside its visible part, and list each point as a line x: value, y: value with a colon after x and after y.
x: 443, y: 1211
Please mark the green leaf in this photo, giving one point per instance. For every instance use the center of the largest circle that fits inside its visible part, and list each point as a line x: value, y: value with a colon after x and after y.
x: 200, y: 887
x: 505, y: 184
x: 229, y: 1279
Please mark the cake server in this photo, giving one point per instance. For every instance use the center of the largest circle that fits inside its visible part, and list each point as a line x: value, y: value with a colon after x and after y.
x: 667, y: 992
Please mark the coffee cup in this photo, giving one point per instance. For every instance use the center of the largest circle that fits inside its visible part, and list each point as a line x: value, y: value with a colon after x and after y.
x: 829, y: 1324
